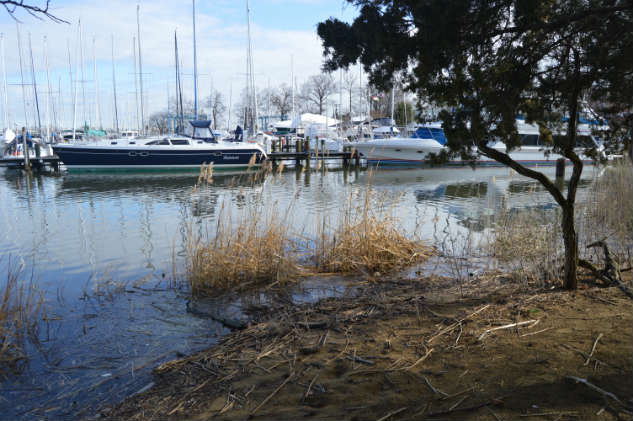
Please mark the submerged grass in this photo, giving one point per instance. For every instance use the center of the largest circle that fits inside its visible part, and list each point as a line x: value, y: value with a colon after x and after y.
x: 21, y: 309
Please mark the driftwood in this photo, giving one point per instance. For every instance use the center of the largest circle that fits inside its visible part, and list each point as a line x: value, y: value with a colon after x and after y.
x: 611, y: 274
x: 483, y: 335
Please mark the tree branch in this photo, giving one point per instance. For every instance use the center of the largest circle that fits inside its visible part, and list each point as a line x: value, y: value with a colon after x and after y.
x: 12, y: 5
x: 527, y: 172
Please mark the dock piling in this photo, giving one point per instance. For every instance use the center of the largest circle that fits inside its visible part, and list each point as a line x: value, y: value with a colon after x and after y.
x: 25, y: 151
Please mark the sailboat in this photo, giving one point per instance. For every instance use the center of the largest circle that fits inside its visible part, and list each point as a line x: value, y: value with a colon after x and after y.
x: 194, y: 147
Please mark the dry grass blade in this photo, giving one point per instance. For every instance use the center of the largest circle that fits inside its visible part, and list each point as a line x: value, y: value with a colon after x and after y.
x: 21, y: 309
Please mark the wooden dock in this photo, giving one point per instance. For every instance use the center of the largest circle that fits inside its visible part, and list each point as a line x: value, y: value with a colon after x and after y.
x: 18, y: 162
x: 301, y: 154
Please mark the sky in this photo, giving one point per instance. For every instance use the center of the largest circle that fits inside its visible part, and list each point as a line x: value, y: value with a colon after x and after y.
x: 282, y: 31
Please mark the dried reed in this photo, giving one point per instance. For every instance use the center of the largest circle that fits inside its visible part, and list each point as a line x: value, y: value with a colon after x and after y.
x: 251, y: 248
x: 21, y: 309
x: 367, y: 238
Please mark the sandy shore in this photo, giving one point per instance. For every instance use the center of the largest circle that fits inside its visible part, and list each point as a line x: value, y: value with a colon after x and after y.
x: 421, y: 349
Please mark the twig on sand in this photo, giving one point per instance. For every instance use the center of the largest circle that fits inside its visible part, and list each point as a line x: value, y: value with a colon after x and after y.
x: 434, y: 389
x: 457, y: 323
x: 392, y: 413
x: 186, y: 396
x: 422, y: 358
x: 497, y: 417
x: 534, y: 322
x: 596, y: 388
x: 358, y: 359
x: 305, y: 395
x: 593, y: 349
x: 534, y: 333
x: 269, y: 397
x: 496, y: 401
x: 457, y: 403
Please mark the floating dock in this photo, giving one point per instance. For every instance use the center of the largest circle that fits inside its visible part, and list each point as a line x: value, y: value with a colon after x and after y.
x: 18, y: 162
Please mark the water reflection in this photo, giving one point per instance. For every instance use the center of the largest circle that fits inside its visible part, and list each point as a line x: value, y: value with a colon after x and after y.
x: 102, y: 245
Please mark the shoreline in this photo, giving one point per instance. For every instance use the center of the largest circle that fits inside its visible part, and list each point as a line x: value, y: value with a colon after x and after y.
x: 411, y: 349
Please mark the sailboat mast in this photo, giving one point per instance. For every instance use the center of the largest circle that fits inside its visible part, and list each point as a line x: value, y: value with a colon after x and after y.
x: 179, y: 107
x: 195, y: 66
x: 250, y: 75
x: 75, y: 98
x: 70, y: 70
x: 292, y: 83
x: 83, y: 74
x: 26, y: 122
x: 37, y: 104
x: 140, y: 62
x: 4, y: 84
x: 228, y: 123
x: 96, y: 77
x: 116, y: 108
x: 48, y: 94
x: 138, y: 121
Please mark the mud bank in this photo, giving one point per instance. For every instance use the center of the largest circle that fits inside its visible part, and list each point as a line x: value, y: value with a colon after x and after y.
x: 422, y: 349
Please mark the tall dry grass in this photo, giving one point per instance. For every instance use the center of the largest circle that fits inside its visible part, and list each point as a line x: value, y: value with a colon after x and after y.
x: 262, y: 244
x: 367, y: 238
x: 252, y: 247
x: 528, y: 242
x: 21, y: 309
x: 609, y: 207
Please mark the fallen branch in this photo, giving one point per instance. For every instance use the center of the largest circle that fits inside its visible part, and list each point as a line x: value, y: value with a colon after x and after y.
x: 434, y: 389
x: 457, y: 323
x: 593, y: 349
x: 392, y: 413
x: 506, y: 327
x: 596, y: 388
x: 269, y: 397
x: 493, y: 402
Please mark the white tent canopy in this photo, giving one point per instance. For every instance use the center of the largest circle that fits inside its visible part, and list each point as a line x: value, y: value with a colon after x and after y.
x: 307, y: 119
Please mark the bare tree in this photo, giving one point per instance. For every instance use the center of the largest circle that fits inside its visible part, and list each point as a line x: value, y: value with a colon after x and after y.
x: 12, y: 6
x: 316, y: 91
x: 282, y: 100
x: 159, y: 122
x: 349, y: 86
x: 215, y: 102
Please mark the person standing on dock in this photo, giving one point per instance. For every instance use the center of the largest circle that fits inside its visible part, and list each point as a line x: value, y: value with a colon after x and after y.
x: 238, y: 133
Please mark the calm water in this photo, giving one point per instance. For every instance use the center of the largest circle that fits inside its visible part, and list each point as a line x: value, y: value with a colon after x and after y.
x: 103, y: 247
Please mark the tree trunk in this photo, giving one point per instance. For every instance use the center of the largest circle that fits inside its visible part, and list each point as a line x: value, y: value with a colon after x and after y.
x: 570, y: 239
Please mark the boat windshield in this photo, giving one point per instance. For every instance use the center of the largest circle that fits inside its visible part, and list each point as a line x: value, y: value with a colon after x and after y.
x: 199, y: 130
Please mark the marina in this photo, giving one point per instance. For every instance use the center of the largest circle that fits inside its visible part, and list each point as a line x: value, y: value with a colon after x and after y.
x: 355, y: 210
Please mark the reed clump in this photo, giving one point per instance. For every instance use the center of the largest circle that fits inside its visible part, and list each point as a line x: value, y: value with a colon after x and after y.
x: 610, y: 202
x: 366, y: 239
x: 252, y: 248
x: 528, y: 242
x: 21, y: 309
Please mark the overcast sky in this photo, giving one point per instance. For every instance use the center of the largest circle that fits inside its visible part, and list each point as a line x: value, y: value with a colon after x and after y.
x: 280, y: 29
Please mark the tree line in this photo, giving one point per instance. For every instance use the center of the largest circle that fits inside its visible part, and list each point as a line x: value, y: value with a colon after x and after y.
x: 320, y: 94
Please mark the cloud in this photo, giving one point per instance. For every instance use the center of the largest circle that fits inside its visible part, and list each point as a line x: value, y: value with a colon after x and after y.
x: 221, y: 49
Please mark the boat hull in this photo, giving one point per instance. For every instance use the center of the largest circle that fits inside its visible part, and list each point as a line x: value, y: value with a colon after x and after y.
x: 107, y: 158
x: 415, y: 152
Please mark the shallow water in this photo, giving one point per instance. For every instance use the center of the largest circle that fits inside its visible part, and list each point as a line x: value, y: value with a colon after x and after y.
x: 104, y: 248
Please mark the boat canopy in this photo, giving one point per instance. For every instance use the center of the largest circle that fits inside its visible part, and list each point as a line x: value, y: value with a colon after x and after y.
x: 200, y: 124
x: 425, y: 132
